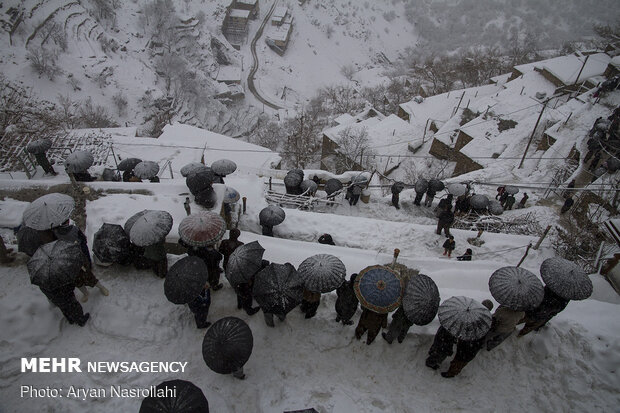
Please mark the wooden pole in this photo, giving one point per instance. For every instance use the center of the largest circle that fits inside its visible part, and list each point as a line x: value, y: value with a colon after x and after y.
x: 170, y: 169
x: 581, y: 70
x: 532, y: 135
x: 244, y: 203
x: 269, y: 189
x: 542, y: 237
x: 396, y: 252
x: 598, y: 257
x: 524, y: 255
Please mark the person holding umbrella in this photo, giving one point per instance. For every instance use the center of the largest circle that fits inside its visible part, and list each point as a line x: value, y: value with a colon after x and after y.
x: 39, y: 148
x: 396, y: 189
x: 243, y: 264
x: 430, y: 195
x: 442, y: 347
x: 399, y: 327
x: 228, y: 246
x: 420, y: 189
x: 227, y: 346
x: 277, y: 289
x: 347, y: 302
x: 147, y: 230
x: 509, y: 202
x: 212, y: 258
x: 419, y: 306
x: 200, y: 307
x: 445, y: 221
x: 321, y: 273
x: 269, y: 217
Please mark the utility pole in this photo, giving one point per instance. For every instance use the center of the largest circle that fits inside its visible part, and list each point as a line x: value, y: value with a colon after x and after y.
x: 533, y: 132
x: 581, y: 70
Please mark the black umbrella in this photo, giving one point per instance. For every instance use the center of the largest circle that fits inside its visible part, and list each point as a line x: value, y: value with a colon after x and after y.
x: 128, y: 164
x: 510, y: 189
x: 110, y: 175
x: 332, y: 185
x: 322, y: 273
x: 421, y: 185
x: 292, y: 180
x: 79, y: 161
x: 436, y: 185
x: 421, y: 300
x: 132, y: 220
x: 111, y: 244
x: 206, y: 198
x: 297, y: 172
x: 39, y: 146
x: 185, y: 280
x: 244, y: 262
x: 199, y: 181
x: 271, y: 215
x: 495, y: 207
x: 278, y: 288
x: 566, y: 279
x: 479, y: 201
x: 146, y: 169
x: 187, y: 398
x: 223, y: 167
x: 28, y: 240
x: 150, y: 228
x: 308, y: 186
x: 55, y: 264
x: 193, y: 167
x: 227, y: 345
x: 516, y: 288
x: 399, y: 186
x: 464, y: 318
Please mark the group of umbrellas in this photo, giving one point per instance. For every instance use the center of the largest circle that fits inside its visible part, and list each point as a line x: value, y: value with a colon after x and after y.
x: 138, y: 167
x: 199, y: 178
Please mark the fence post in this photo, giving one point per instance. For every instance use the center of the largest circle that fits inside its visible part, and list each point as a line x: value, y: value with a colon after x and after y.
x: 598, y: 257
x: 525, y: 255
x: 245, y: 200
x: 396, y: 252
x: 269, y: 189
x: 170, y: 169
x: 542, y: 237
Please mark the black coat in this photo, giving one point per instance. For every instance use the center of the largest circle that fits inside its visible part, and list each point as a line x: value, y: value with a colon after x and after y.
x: 443, y: 343
x: 449, y: 244
x: 446, y: 218
x: 550, y: 306
x: 466, y: 350
x: 400, y: 320
x: 346, y: 303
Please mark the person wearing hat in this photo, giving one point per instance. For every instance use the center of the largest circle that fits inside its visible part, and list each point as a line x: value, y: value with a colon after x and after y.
x: 326, y: 239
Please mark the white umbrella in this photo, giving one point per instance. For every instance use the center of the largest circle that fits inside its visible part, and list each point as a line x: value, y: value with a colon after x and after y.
x: 48, y: 211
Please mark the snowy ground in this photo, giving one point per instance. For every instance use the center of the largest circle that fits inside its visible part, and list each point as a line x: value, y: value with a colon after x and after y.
x: 571, y: 365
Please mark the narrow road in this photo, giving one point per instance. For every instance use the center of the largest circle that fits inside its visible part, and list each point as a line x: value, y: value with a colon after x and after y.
x: 251, y: 85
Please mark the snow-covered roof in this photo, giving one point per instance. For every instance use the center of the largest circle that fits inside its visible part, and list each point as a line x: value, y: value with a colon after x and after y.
x: 279, y: 33
x: 240, y: 13
x: 229, y: 74
x: 615, y: 61
x: 279, y: 13
x: 248, y: 2
x: 127, y: 131
x: 566, y: 68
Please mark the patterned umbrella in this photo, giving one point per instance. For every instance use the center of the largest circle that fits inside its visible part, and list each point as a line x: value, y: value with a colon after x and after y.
x: 516, y: 288
x: 495, y: 207
x: 244, y: 262
x: 150, y: 228
x: 464, y: 318
x: 332, y: 185
x: 185, y: 280
x: 39, y: 146
x: 202, y: 228
x: 511, y: 189
x: 322, y: 273
x: 566, y: 279
x: 278, y: 288
x: 223, y: 167
x: 199, y: 181
x: 227, y: 345
x: 421, y: 300
x: 146, y: 169
x: 188, y: 398
x: 79, y: 161
x: 379, y: 289
x: 271, y: 215
x: 48, y: 211
x: 231, y: 196
x: 457, y: 189
x: 193, y: 167
x: 308, y: 186
x: 128, y: 164
x: 28, y: 240
x: 55, y: 264
x: 479, y: 201
x: 421, y: 185
x: 111, y: 244
x: 360, y: 179
x: 292, y: 180
x: 436, y: 185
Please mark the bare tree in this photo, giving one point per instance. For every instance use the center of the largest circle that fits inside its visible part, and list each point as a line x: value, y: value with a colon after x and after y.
x: 302, y: 142
x: 352, y: 145
x: 120, y: 101
x: 94, y: 116
x: 43, y: 61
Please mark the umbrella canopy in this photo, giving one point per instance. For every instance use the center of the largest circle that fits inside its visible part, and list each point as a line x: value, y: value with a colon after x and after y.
x: 231, y: 195
x: 128, y: 164
x: 132, y: 220
x: 399, y: 186
x: 436, y: 185
x: 613, y: 164
x: 48, y: 211
x: 193, y: 167
x: 292, y: 180
x: 150, y: 228
x: 55, y: 264
x: 495, y: 207
x: 227, y: 345
x: 146, y: 169
x: 206, y: 198
x: 185, y: 280
x: 457, y: 189
x: 517, y: 288
x: 199, y: 181
x: 39, y: 146
x: 271, y: 215
x: 464, y: 318
x: 111, y: 244
x: 188, y: 398
x: 332, y: 185
x: 322, y: 273
x: 479, y: 201
x: 308, y: 186
x: 202, y: 228
x: 28, y: 240
x: 299, y: 172
x: 566, y: 279
x: 223, y: 167
x: 510, y: 189
x: 421, y: 300
x: 79, y: 161
x: 278, y: 288
x: 110, y: 175
x: 379, y: 289
x: 244, y: 262
x: 360, y: 179
x: 421, y: 185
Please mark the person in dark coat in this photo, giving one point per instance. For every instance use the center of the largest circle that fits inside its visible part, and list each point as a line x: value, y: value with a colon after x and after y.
x: 445, y: 203
x: 466, y: 351
x: 316, y: 180
x: 551, y: 305
x: 595, y: 161
x: 461, y: 206
x: 83, y: 176
x: 326, y: 239
x: 449, y: 246
x: 398, y: 328
x: 154, y: 257
x: 510, y: 201
x: 569, y: 189
x: 244, y: 297
x: 504, y: 323
x: 6, y: 255
x: 154, y: 179
x: 267, y: 230
x: 503, y: 197
x: 371, y: 322
x: 269, y: 318
x: 212, y: 258
x: 466, y: 256
x: 418, y: 198
x: 567, y: 205
x: 396, y: 189
x: 218, y: 179
x: 310, y: 303
x: 523, y: 201
x: 430, y: 196
x: 356, y: 192
x: 500, y: 191
x: 42, y: 160
x: 188, y: 206
x: 346, y: 303
x: 127, y: 175
x: 445, y: 221
x: 200, y: 307
x: 442, y: 347
x: 64, y: 298
x: 228, y: 246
